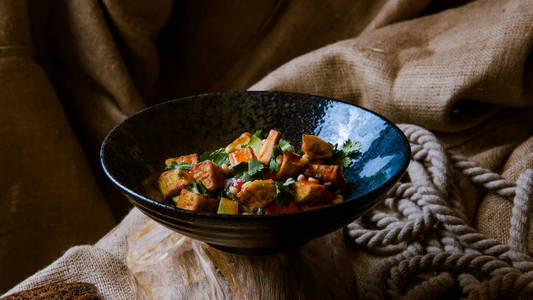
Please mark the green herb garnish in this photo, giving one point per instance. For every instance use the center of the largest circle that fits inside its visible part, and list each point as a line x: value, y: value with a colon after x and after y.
x: 343, y: 156
x: 248, y: 171
x: 284, y: 191
x: 273, y: 166
x: 285, y: 145
x: 254, y: 139
x: 218, y: 156
x: 198, y: 187
x: 178, y: 165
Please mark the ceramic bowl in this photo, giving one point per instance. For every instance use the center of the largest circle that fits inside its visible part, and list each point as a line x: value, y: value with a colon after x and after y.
x: 133, y: 153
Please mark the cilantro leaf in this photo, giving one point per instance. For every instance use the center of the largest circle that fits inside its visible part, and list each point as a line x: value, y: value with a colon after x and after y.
x: 218, y: 156
x: 343, y: 156
x: 198, y: 188
x: 258, y: 132
x: 255, y: 167
x: 350, y: 147
x: 178, y: 165
x: 285, y: 145
x: 248, y: 171
x: 273, y: 166
x: 284, y: 191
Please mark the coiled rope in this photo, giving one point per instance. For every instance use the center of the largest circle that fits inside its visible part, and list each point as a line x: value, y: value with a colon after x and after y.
x: 436, y: 252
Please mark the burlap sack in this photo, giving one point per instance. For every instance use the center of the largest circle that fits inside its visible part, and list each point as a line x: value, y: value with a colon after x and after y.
x: 86, y: 65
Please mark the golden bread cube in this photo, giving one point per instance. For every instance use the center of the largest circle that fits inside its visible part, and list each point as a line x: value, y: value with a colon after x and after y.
x: 315, y: 147
x: 172, y: 182
x: 209, y: 173
x: 196, y: 202
x: 329, y: 173
x: 311, y: 192
x: 291, y: 166
x: 257, y: 193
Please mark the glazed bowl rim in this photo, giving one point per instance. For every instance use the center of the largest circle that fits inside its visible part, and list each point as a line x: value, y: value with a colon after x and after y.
x: 168, y: 210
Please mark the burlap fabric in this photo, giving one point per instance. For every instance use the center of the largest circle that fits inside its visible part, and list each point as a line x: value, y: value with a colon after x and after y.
x: 70, y: 70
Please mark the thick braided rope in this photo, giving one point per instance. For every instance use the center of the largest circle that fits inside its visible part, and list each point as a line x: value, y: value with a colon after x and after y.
x: 427, y: 211
x: 522, y: 206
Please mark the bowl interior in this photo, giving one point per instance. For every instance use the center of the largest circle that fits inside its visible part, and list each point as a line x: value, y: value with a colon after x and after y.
x: 133, y: 153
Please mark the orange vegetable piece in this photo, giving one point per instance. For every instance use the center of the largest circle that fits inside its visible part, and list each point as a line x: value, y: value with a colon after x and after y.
x: 275, y: 209
x: 265, y: 154
x: 242, y: 155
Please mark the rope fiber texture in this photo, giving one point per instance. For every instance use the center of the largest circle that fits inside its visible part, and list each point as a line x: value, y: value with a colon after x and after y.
x: 435, y: 253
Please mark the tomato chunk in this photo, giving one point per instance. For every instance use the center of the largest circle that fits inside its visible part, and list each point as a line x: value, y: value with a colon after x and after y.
x: 276, y: 209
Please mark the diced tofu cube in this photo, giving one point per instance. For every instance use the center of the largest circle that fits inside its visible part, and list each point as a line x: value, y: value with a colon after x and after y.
x: 291, y: 165
x: 315, y: 147
x: 228, y: 207
x: 265, y: 154
x: 172, y: 182
x: 209, y: 173
x: 258, y: 193
x: 328, y: 173
x: 310, y: 192
x: 189, y: 159
x: 237, y: 143
x: 242, y: 155
x: 196, y: 202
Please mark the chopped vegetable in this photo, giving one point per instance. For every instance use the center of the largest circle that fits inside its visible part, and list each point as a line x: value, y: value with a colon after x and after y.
x: 198, y: 188
x: 285, y: 145
x: 248, y: 171
x: 218, y: 156
x: 228, y: 207
x: 265, y: 154
x: 252, y: 176
x: 178, y: 165
x: 344, y: 156
x: 242, y: 155
x: 284, y: 191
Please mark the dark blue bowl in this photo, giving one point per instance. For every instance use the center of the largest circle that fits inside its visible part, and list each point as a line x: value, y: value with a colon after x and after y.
x: 133, y: 154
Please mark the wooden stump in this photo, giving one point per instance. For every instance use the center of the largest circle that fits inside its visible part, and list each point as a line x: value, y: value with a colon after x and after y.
x: 167, y: 265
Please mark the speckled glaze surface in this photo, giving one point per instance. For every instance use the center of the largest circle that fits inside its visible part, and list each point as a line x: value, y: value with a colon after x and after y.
x: 133, y: 154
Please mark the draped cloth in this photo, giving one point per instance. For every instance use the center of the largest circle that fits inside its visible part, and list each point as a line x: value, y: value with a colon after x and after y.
x: 70, y: 70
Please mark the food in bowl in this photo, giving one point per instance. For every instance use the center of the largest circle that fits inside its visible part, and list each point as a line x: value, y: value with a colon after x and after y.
x: 259, y: 176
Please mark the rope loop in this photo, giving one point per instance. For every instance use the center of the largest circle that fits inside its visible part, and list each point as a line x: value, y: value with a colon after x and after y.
x: 441, y: 250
